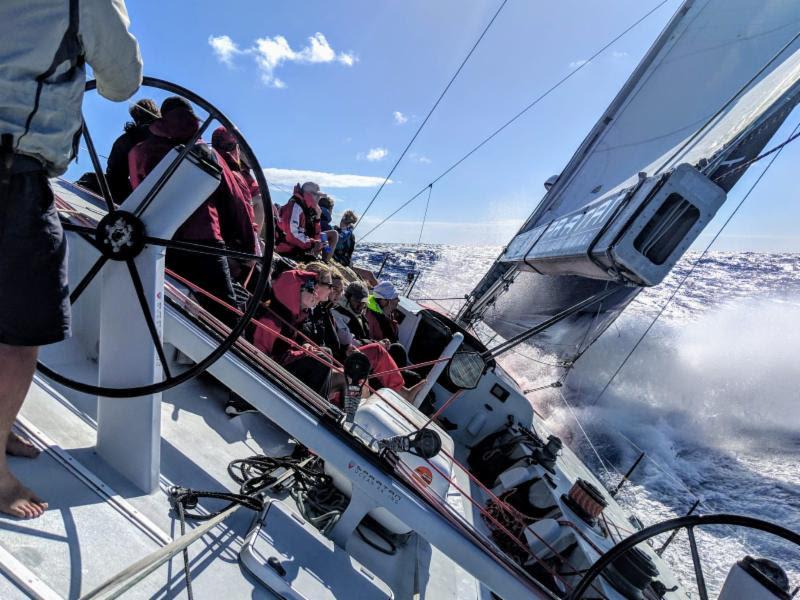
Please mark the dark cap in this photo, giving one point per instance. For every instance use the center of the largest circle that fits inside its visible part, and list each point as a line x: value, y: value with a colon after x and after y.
x: 356, y: 290
x: 173, y: 102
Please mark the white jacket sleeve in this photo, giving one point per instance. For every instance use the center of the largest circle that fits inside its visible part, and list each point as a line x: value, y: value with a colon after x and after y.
x: 294, y: 225
x: 110, y: 49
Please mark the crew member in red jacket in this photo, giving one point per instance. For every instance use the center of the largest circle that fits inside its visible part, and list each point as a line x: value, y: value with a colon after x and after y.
x: 298, y: 226
x: 294, y: 294
x: 237, y: 218
x: 220, y: 218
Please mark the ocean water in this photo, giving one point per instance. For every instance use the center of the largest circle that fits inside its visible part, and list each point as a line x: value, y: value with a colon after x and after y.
x: 712, y: 395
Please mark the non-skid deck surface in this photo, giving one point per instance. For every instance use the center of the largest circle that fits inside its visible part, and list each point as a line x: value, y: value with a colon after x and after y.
x: 83, y: 539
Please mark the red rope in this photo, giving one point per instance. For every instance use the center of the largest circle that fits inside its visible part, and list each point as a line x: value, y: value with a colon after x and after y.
x: 443, y: 407
x: 255, y: 322
x: 411, y: 367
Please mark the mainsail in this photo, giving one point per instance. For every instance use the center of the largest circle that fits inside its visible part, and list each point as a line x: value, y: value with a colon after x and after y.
x: 704, y: 101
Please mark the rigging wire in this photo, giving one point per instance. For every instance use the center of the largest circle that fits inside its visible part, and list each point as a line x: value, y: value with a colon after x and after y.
x: 775, y: 156
x: 517, y: 116
x: 586, y: 435
x: 762, y: 156
x: 433, y: 108
x: 425, y: 216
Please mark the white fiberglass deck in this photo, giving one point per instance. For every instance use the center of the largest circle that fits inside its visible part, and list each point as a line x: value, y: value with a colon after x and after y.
x: 98, y: 524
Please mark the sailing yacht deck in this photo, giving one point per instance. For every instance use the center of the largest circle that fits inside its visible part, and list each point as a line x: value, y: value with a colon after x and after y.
x: 96, y: 527
x: 98, y: 524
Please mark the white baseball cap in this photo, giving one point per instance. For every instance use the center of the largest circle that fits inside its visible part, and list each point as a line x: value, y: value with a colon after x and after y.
x: 385, y: 290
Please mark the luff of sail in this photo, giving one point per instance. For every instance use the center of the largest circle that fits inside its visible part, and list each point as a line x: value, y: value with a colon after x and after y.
x: 707, y: 97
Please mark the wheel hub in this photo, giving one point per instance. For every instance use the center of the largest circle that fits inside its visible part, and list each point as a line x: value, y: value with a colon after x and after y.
x: 120, y: 235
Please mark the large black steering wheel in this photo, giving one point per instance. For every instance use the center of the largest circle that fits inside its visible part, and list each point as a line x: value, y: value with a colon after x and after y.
x: 689, y: 523
x: 97, y: 235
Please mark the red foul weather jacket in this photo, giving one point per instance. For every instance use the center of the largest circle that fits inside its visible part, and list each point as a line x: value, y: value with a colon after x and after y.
x: 237, y: 219
x: 221, y: 217
x: 299, y: 227
x: 380, y: 360
x: 286, y: 303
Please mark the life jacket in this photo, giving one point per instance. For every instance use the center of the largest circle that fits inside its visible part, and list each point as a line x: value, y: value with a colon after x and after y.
x: 325, y: 218
x: 289, y: 240
x: 321, y: 328
x: 381, y: 325
x: 237, y: 219
x: 355, y: 322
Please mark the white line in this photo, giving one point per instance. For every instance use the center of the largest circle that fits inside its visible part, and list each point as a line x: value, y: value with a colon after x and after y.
x: 24, y: 578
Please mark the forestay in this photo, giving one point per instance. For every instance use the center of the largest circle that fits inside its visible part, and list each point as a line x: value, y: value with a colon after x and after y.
x: 709, y: 94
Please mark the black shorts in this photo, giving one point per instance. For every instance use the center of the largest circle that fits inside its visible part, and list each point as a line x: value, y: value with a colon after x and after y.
x: 34, y: 295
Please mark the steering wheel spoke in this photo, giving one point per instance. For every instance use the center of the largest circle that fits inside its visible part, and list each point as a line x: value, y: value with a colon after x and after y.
x: 199, y: 248
x: 698, y: 567
x: 148, y: 317
x: 87, y: 279
x: 98, y: 170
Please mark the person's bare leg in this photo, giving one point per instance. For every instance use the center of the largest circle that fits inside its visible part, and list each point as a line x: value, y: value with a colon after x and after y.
x: 411, y: 393
x: 17, y: 364
x: 21, y: 447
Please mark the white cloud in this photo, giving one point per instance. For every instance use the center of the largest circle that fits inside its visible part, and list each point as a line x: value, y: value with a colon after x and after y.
x: 325, y: 180
x: 399, y: 118
x: 376, y: 154
x: 577, y: 63
x: 271, y: 53
x: 420, y: 158
x: 618, y: 54
x: 224, y: 48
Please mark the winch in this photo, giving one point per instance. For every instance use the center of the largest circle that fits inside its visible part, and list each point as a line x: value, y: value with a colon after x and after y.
x: 385, y: 415
x: 498, y: 451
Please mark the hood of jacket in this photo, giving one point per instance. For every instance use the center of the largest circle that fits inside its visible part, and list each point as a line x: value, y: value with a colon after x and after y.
x: 225, y: 143
x: 286, y: 291
x: 178, y: 125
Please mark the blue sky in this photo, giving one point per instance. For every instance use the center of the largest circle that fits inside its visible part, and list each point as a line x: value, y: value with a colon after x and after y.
x: 340, y: 87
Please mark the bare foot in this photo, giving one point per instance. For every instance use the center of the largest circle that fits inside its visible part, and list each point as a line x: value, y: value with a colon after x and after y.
x: 17, y: 500
x: 19, y: 446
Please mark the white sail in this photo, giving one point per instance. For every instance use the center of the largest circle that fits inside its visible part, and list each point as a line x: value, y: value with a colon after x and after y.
x: 709, y: 94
